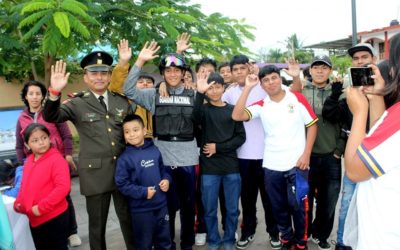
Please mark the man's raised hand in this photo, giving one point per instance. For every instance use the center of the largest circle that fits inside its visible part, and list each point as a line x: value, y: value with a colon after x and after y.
x: 182, y: 43
x: 125, y: 53
x: 293, y: 67
x: 147, y: 53
x: 251, y: 80
x: 59, y: 78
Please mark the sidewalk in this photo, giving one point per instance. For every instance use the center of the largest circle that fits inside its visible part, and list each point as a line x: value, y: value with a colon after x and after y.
x: 115, y: 240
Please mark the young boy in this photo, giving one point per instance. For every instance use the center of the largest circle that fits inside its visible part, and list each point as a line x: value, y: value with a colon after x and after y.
x: 284, y: 116
x: 221, y: 136
x: 142, y: 178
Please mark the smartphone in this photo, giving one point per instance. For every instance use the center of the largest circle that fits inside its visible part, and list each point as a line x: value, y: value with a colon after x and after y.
x: 361, y: 76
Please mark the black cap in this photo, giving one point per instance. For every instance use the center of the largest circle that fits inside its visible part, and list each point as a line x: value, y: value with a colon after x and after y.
x: 362, y: 47
x: 322, y: 59
x: 97, y: 61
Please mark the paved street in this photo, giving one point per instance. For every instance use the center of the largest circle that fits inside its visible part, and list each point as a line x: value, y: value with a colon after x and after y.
x: 114, y: 236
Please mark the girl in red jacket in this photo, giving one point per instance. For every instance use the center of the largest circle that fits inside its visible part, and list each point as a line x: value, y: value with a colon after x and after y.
x: 45, y: 185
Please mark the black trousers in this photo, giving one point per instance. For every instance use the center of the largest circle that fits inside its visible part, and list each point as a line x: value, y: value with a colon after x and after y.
x: 53, y: 234
x: 324, y: 181
x: 73, y: 226
x: 181, y: 196
x: 97, y: 207
x: 252, y: 175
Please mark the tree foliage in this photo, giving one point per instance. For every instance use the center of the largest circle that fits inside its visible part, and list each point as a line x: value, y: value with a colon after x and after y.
x: 341, y: 64
x: 38, y: 31
x: 293, y: 48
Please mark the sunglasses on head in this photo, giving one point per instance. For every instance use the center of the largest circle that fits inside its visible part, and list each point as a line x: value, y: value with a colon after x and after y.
x: 172, y: 60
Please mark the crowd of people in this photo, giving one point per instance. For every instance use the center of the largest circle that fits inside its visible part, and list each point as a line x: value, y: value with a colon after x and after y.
x: 224, y: 132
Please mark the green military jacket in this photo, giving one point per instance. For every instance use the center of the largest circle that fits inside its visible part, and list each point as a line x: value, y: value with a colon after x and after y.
x: 100, y: 132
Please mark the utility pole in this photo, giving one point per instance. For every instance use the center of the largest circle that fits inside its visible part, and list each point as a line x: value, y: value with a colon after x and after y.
x: 354, y: 22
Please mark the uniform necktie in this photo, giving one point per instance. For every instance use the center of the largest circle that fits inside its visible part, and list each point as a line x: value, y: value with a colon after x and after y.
x: 101, y: 100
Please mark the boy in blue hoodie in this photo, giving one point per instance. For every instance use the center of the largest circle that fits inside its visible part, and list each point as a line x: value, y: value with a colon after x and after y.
x: 142, y: 178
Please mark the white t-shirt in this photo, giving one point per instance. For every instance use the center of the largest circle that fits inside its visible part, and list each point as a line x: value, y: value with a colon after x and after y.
x: 284, y: 125
x: 378, y: 199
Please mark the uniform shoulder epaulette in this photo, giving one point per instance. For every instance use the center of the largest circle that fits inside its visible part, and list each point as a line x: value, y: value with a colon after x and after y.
x: 78, y: 94
x: 117, y: 93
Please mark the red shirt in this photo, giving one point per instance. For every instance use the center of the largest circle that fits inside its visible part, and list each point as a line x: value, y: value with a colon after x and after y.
x: 45, y: 183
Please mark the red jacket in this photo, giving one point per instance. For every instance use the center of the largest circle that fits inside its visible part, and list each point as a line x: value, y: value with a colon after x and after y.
x: 45, y: 183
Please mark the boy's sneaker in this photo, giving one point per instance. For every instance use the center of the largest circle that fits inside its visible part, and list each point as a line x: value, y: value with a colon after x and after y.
x: 299, y: 247
x: 74, y: 240
x: 244, y: 242
x: 322, y: 244
x: 287, y: 245
x: 275, y: 242
x: 200, y: 239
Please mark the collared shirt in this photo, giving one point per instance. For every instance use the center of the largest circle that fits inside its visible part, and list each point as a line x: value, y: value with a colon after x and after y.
x: 105, y: 95
x: 284, y: 125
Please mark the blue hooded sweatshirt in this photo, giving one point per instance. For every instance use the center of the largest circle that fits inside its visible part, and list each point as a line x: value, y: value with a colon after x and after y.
x: 137, y: 169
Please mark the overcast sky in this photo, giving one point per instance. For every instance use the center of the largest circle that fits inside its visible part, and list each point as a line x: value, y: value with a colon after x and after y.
x: 313, y: 21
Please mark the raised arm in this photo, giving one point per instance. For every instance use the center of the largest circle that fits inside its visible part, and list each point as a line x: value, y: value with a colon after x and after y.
x: 294, y: 71
x: 120, y: 72
x: 143, y: 97
x: 52, y: 111
x: 239, y: 113
x: 182, y: 43
x: 203, y: 86
x: 358, y: 104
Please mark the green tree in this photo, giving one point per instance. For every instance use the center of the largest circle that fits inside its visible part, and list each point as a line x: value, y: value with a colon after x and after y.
x: 341, y: 64
x: 59, y: 25
x: 293, y: 44
x: 275, y: 56
x: 52, y: 29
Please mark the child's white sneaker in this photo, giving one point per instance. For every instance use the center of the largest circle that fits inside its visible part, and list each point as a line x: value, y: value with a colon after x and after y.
x: 74, y: 240
x: 200, y: 239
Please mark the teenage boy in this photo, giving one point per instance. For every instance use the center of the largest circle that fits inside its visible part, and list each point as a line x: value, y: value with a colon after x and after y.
x: 325, y: 164
x: 284, y: 116
x: 142, y: 177
x: 173, y: 132
x: 336, y: 110
x: 221, y: 136
x: 204, y: 66
x: 225, y: 71
x: 250, y: 154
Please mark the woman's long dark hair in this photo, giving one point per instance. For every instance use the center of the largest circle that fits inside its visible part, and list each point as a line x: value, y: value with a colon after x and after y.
x: 392, y: 89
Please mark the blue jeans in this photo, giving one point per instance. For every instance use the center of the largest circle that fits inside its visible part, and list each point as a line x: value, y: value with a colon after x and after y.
x: 347, y: 194
x: 210, y: 185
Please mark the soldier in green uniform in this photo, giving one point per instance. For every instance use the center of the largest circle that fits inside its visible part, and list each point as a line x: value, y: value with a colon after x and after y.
x: 97, y: 115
